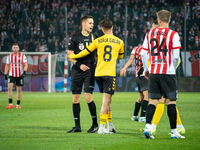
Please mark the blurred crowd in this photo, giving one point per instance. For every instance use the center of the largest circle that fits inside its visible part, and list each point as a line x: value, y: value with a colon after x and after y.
x: 39, y: 25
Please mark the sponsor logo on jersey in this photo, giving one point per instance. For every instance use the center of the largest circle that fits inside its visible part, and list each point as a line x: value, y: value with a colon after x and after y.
x: 81, y: 46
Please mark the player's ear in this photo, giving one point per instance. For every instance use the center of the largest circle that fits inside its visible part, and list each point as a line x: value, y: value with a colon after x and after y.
x: 83, y: 23
x: 159, y: 21
x: 103, y: 29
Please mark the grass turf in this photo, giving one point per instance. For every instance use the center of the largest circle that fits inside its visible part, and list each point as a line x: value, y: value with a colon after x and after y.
x: 45, y: 118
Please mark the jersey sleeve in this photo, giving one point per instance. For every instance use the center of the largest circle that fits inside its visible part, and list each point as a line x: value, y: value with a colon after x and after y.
x: 133, y: 51
x: 176, y: 45
x: 176, y: 41
x: 93, y: 46
x: 7, y: 60
x: 121, y: 51
x: 71, y: 43
x: 144, y: 56
x: 24, y: 59
x: 145, y: 45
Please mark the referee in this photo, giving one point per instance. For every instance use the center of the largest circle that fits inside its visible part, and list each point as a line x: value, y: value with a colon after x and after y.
x: 83, y: 73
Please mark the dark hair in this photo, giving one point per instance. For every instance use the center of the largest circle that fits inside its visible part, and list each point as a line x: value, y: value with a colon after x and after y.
x: 85, y: 18
x: 15, y: 44
x: 106, y: 24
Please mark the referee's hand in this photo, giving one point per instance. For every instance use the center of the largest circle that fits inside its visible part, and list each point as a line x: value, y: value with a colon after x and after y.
x: 5, y: 77
x: 84, y: 67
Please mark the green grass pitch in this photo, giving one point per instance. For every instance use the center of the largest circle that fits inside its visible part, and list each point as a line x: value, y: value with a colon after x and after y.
x: 44, y: 119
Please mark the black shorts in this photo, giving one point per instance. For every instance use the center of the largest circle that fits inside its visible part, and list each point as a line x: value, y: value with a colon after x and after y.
x: 142, y: 84
x: 19, y: 81
x: 106, y: 84
x: 162, y: 85
x: 80, y: 78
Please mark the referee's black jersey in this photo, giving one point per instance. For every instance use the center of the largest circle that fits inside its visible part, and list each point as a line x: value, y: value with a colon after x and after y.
x: 78, y: 42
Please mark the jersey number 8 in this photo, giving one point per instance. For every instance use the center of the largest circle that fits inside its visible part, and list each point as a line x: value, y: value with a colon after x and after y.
x: 107, y: 53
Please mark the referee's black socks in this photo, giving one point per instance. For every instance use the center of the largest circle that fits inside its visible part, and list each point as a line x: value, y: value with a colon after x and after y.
x: 76, y: 112
x: 92, y: 108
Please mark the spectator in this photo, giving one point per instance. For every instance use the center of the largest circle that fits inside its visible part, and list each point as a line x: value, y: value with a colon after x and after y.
x: 31, y: 46
x: 51, y: 46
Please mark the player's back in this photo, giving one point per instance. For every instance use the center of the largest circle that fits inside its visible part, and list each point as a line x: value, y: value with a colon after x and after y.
x: 108, y: 49
x: 161, y: 43
x: 138, y: 60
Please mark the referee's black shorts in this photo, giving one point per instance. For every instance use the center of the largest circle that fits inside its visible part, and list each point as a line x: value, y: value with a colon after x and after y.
x: 142, y: 84
x: 80, y: 78
x: 106, y: 84
x: 162, y: 85
x: 19, y: 81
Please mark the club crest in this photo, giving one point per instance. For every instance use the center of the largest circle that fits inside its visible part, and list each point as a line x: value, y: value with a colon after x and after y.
x: 81, y: 46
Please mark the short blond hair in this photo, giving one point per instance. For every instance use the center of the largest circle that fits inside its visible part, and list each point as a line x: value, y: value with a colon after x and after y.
x: 164, y: 15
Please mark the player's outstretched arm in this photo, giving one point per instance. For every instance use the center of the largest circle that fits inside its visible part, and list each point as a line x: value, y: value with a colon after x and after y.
x: 123, y: 70
x: 79, y: 55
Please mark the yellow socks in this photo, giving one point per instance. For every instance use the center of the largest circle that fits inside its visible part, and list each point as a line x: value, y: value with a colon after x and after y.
x: 158, y: 113
x: 109, y: 119
x: 178, y: 119
x: 103, y: 118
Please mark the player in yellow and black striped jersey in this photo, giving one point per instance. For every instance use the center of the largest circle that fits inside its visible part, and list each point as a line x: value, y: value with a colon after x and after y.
x: 109, y: 48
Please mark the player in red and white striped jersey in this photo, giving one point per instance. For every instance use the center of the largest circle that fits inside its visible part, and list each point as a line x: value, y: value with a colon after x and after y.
x: 163, y: 46
x: 141, y: 82
x: 17, y: 66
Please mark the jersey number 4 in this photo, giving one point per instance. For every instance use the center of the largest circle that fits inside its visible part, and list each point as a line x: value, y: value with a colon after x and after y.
x: 107, y: 53
x: 165, y: 50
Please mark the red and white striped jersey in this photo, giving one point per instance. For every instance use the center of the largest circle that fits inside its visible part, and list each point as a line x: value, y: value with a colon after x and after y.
x: 163, y: 46
x: 138, y: 60
x: 16, y: 64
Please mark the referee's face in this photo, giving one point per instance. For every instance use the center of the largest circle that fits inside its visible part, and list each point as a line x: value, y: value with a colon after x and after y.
x: 15, y: 49
x: 88, y: 25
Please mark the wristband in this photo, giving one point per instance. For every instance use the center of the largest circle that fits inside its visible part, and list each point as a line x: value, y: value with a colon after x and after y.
x: 78, y: 64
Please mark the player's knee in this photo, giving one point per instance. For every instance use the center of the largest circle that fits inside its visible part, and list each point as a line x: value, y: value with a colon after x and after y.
x: 88, y: 97
x: 19, y: 91
x: 9, y: 89
x: 139, y: 100
x: 76, y: 98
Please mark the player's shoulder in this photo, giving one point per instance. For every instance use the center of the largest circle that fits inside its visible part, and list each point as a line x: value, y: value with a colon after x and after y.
x: 95, y: 35
x: 76, y: 36
x: 138, y: 47
x: 118, y: 39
